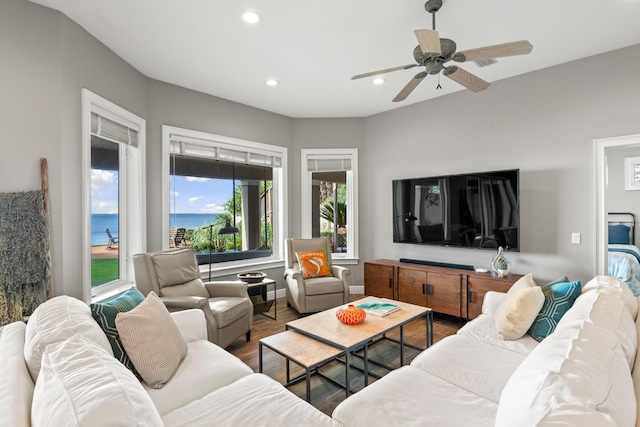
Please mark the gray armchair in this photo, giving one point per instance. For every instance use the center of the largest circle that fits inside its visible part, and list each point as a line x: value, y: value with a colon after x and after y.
x: 173, y: 275
x: 318, y: 293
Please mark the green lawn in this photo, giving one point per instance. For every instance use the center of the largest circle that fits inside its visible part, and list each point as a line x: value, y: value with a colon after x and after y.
x: 103, y: 270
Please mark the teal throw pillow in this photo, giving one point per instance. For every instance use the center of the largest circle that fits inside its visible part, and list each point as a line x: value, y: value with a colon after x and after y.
x: 105, y: 314
x: 558, y: 299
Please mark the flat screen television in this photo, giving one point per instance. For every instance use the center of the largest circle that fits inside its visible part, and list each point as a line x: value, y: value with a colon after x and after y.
x: 474, y: 210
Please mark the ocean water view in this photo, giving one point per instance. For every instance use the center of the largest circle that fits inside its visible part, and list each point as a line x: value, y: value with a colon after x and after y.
x: 100, y: 222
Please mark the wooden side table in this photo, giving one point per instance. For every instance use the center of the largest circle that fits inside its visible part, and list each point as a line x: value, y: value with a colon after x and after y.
x: 262, y: 306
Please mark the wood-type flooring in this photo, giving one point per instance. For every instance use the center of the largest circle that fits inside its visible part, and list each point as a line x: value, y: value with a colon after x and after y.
x: 325, y: 395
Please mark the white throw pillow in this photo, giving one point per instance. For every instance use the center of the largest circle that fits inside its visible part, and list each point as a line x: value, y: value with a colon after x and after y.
x: 54, y: 321
x: 81, y: 384
x: 518, y: 311
x: 152, y: 340
x: 523, y: 282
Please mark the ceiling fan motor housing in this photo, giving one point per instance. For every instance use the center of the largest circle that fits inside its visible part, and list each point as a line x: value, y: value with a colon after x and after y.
x: 432, y: 6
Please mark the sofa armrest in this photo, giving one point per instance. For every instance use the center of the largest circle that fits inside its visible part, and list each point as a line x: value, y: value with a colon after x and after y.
x: 191, y: 323
x: 227, y: 289
x: 492, y: 301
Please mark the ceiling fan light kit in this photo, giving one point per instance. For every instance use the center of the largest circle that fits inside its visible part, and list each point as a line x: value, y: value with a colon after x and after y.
x: 434, y: 52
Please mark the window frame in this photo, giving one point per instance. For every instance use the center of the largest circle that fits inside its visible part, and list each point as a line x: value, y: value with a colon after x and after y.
x: 279, y: 201
x: 306, y: 182
x: 131, y: 203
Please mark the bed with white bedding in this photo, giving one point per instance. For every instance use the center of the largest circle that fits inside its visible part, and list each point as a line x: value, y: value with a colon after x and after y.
x: 623, y: 254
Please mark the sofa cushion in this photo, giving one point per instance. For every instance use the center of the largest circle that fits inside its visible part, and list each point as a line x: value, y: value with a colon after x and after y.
x: 152, y: 340
x: 411, y: 397
x: 313, y: 263
x: 252, y: 400
x: 80, y: 384
x: 604, y: 307
x: 635, y: 372
x: 483, y: 328
x: 558, y: 299
x: 54, y: 321
x: 16, y: 386
x: 105, y: 314
x: 585, y: 365
x: 518, y: 311
x: 205, y: 368
x: 480, y: 368
x: 323, y: 285
x: 608, y: 282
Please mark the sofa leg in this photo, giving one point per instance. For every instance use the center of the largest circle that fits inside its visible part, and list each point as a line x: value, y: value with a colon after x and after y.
x: 248, y: 335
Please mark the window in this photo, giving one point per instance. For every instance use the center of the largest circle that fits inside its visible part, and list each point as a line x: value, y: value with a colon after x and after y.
x: 223, y: 197
x: 330, y: 199
x: 113, y: 171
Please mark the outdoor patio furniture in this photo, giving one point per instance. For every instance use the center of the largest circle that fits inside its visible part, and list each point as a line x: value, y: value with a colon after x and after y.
x: 112, y: 239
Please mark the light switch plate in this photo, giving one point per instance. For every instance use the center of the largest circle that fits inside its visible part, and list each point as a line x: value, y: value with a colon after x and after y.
x: 575, y: 238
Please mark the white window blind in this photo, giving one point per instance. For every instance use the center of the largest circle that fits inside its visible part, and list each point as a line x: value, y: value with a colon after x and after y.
x: 328, y: 164
x: 219, y: 152
x: 113, y: 131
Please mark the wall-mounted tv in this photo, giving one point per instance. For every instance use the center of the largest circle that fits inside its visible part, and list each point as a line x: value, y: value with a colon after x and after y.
x: 474, y: 210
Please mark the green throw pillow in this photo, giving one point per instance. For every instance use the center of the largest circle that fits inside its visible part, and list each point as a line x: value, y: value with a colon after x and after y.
x: 558, y: 299
x: 105, y: 314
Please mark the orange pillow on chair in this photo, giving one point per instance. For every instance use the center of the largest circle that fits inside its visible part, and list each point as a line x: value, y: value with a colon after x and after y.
x: 313, y: 264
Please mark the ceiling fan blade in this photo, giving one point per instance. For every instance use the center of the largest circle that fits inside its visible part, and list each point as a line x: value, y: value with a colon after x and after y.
x: 406, y: 91
x: 388, y: 70
x: 429, y: 41
x: 465, y: 78
x: 521, y: 47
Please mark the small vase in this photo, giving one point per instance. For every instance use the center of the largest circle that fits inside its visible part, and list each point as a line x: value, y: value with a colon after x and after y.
x: 500, y: 264
x: 351, y: 315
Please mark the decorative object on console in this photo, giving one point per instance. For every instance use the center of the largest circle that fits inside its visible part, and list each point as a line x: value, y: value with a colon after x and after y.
x: 252, y: 276
x: 351, y: 315
x: 500, y: 264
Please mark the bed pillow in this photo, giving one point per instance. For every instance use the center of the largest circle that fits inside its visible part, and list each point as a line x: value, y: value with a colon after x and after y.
x: 313, y: 264
x: 558, y: 299
x: 105, y: 314
x: 619, y: 235
x: 152, y: 340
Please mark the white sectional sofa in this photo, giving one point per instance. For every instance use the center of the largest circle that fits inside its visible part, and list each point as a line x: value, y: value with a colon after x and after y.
x: 59, y: 370
x: 585, y: 373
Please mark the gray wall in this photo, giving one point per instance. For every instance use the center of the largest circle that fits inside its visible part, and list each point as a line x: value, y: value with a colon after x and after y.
x: 543, y: 123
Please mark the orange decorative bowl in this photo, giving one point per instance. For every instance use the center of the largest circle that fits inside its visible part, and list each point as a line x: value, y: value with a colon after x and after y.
x: 351, y: 315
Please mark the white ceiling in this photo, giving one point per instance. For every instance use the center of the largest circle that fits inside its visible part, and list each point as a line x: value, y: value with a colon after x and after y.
x: 314, y: 47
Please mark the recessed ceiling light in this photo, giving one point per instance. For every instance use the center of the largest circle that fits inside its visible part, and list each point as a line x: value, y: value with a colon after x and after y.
x: 272, y: 82
x: 378, y: 81
x: 251, y: 17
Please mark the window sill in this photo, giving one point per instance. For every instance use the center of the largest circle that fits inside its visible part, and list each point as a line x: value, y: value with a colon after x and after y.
x: 340, y: 259
x: 107, y: 294
x: 235, y: 267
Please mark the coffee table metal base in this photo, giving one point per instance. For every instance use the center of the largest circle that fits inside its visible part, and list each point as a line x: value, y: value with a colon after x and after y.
x: 306, y: 352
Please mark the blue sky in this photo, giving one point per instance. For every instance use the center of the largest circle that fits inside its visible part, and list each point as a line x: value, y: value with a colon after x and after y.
x: 187, y: 194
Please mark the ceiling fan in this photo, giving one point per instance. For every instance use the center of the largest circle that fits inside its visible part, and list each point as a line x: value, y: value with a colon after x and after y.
x: 433, y: 53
